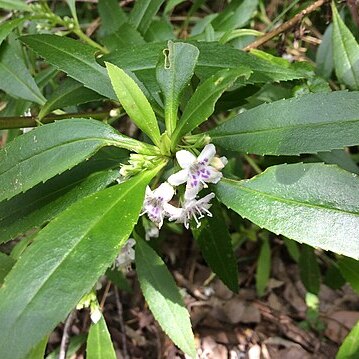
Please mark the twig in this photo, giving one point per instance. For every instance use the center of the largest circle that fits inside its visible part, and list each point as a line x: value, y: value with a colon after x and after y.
x: 66, y: 335
x: 122, y: 324
x: 285, y: 26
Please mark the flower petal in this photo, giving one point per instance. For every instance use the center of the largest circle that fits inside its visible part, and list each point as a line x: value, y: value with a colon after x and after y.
x: 149, y: 192
x: 165, y: 191
x: 173, y: 212
x: 192, y: 190
x: 207, y: 154
x: 178, y: 178
x: 214, y: 176
x: 185, y: 158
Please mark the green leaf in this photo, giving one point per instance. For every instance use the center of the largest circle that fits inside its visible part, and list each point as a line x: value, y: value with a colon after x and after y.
x: 74, y: 58
x: 340, y: 158
x: 212, y: 58
x: 201, y: 104
x: 112, y: 15
x: 15, y: 78
x: 6, y: 263
x: 99, y: 344
x: 266, y: 68
x: 174, y: 71
x: 69, y: 93
x: 308, y: 124
x: 309, y: 269
x: 51, y: 149
x: 126, y: 35
x: 292, y: 248
x: 143, y: 12
x: 14, y: 5
x: 236, y: 15
x: 324, y: 57
x: 163, y: 297
x: 263, y: 268
x: 313, y: 203
x: 134, y: 102
x: 214, y: 241
x: 72, y: 6
x: 171, y: 4
x: 350, y: 347
x: 38, y: 351
x: 7, y: 26
x: 75, y: 343
x: 346, y: 53
x: 349, y: 268
x: 79, y: 244
x: 39, y: 205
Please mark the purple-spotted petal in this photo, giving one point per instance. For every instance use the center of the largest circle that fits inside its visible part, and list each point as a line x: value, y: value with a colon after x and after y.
x: 214, y: 175
x: 164, y: 191
x: 185, y: 158
x: 207, y: 154
x: 178, y: 178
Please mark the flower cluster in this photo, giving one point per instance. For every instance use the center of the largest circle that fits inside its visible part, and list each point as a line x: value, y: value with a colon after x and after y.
x: 196, y: 173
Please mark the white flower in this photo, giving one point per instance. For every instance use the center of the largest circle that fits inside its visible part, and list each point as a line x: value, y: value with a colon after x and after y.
x: 126, y: 256
x: 151, y: 231
x: 193, y: 208
x: 197, y: 172
x: 95, y: 315
x: 154, y: 202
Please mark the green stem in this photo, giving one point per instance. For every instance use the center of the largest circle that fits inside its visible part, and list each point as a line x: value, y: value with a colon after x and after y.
x: 89, y: 41
x: 253, y: 164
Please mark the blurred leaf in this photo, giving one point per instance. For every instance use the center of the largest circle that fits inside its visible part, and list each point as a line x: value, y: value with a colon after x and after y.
x: 171, y: 4
x: 112, y: 15
x: 38, y: 351
x: 308, y: 124
x: 174, y: 71
x: 350, y: 270
x: 14, y: 5
x: 263, y: 268
x: 201, y: 105
x: 15, y: 78
x: 346, y: 53
x: 309, y: 269
x: 143, y: 12
x: 72, y: 6
x: 160, y: 30
x: 52, y: 149
x: 134, y: 102
x: 333, y: 277
x: 68, y: 93
x: 6, y: 263
x: 163, y: 297
x: 236, y: 15
x: 350, y: 346
x: 214, y: 241
x: 99, y: 344
x: 292, y: 248
x: 7, y: 26
x: 119, y: 280
x: 80, y: 243
x: 340, y: 158
x: 75, y: 343
x: 312, y: 203
x: 74, y: 58
x: 324, y: 57
x: 126, y: 35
